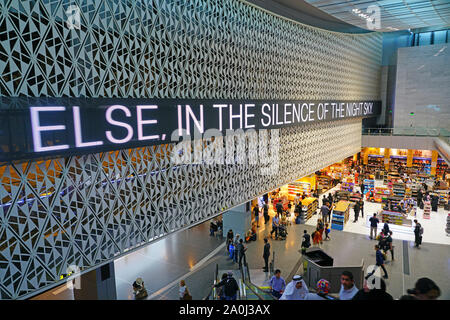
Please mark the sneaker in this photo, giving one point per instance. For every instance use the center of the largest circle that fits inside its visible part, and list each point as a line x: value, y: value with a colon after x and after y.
x: 385, y: 277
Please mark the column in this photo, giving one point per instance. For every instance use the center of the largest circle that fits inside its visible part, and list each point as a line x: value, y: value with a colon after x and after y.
x: 387, y: 158
x: 434, y: 158
x: 98, y: 284
x: 238, y: 219
x: 409, y: 158
x: 366, y: 156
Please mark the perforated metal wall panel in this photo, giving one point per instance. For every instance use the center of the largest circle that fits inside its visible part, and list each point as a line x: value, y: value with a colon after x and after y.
x: 86, y: 210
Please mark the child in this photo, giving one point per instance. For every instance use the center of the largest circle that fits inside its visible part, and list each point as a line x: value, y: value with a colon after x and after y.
x: 316, y: 237
x: 306, y: 241
x: 327, y: 232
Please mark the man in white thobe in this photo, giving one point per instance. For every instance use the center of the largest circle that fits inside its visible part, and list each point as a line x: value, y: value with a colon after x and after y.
x: 295, y: 290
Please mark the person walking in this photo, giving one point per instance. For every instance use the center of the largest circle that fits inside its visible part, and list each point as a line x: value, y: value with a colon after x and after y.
x: 230, y: 287
x: 184, y: 292
x: 256, y: 213
x: 373, y: 226
x: 356, y: 209
x: 266, y: 255
x: 324, y: 200
x: 379, y: 263
x: 306, y: 241
x: 348, y: 287
x: 362, y: 188
x: 325, y: 211
x: 295, y: 290
x: 275, y: 225
x: 388, y: 246
x: 320, y: 230
x: 241, y: 250
x: 330, y: 198
x: 418, y: 231
x: 277, y: 284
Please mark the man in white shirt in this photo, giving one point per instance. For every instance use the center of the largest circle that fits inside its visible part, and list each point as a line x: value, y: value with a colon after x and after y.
x: 348, y: 288
x: 295, y: 290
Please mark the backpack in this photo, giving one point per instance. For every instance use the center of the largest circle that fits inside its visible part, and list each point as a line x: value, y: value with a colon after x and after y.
x: 421, y: 230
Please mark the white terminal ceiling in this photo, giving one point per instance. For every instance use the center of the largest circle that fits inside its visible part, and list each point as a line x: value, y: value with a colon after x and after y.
x: 394, y: 14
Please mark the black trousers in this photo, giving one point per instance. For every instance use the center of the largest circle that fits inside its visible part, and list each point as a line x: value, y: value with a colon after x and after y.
x: 374, y: 269
x: 266, y: 262
x: 274, y: 229
x: 242, y: 256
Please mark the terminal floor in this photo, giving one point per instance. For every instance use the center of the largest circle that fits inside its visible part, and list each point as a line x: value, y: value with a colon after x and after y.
x: 347, y: 248
x: 434, y: 227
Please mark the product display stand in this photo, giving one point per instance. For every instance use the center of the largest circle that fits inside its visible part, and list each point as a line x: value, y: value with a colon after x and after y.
x: 343, y: 195
x: 426, y: 209
x: 368, y: 184
x: 392, y: 217
x: 340, y: 215
x: 310, y: 207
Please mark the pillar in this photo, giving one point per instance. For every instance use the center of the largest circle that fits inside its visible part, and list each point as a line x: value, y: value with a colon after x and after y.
x: 366, y: 156
x: 99, y: 284
x: 238, y: 219
x: 434, y: 158
x: 409, y: 158
x: 387, y: 158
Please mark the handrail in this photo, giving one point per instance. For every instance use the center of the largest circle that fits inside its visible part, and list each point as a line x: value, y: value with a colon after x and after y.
x: 249, y: 284
x: 407, y: 131
x: 213, y: 289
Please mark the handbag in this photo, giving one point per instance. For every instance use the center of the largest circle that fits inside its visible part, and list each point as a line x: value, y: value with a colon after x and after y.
x: 187, y: 296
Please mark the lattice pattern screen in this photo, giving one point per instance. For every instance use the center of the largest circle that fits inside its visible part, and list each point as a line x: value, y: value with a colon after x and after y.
x: 178, y: 49
x: 85, y: 210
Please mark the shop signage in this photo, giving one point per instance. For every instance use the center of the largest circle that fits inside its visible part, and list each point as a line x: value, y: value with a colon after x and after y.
x: 37, y: 127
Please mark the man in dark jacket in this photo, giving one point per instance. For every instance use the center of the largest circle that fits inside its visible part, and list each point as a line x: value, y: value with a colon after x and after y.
x: 230, y: 287
x: 230, y: 237
x: 417, y: 234
x: 419, y: 198
x: 434, y: 203
x: 266, y: 213
x: 373, y: 294
x: 241, y: 253
x: 330, y: 198
x: 266, y: 255
x: 356, y: 208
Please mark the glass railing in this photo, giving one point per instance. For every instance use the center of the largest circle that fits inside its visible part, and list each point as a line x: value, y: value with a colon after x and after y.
x: 407, y: 131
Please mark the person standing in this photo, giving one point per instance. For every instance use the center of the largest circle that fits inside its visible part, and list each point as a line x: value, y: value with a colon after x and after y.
x: 256, y: 213
x: 266, y: 255
x: 327, y: 231
x: 348, y: 288
x: 356, y: 209
x: 279, y: 207
x: 378, y: 294
x: 419, y: 198
x: 330, y: 198
x: 373, y: 226
x: 320, y: 230
x: 275, y: 225
x: 220, y: 290
x: 230, y: 287
x: 277, y: 284
x: 325, y: 211
x: 184, y: 292
x: 139, y: 290
x: 361, y: 205
x: 236, y: 245
x: 266, y: 212
x: 230, y: 236
x: 424, y: 289
x: 379, y: 263
x: 295, y: 290
x: 418, y: 231
x: 434, y: 202
x: 322, y: 290
x: 241, y: 250
x: 362, y: 189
